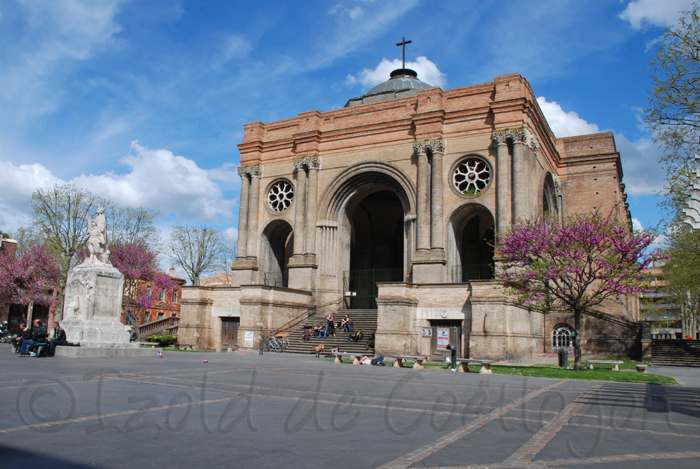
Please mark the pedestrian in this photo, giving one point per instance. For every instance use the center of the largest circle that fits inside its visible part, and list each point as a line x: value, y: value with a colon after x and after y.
x: 331, y: 325
x: 38, y: 335
x: 25, y: 334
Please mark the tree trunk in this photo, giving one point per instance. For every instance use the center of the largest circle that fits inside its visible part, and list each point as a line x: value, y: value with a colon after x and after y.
x: 577, y: 340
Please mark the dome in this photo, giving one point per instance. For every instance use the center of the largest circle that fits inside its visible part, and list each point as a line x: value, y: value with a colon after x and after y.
x: 403, y: 83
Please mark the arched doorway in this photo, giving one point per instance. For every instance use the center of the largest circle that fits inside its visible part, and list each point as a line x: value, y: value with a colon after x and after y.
x: 471, y: 246
x: 562, y: 337
x: 376, y: 245
x: 277, y: 246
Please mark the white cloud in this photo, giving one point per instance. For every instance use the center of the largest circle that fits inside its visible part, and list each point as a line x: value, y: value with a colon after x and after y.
x: 427, y: 71
x: 642, y: 174
x: 353, y: 13
x: 227, y: 173
x: 158, y: 180
x: 562, y: 123
x: 636, y: 224
x: 640, y: 164
x: 654, y: 12
x: 231, y: 233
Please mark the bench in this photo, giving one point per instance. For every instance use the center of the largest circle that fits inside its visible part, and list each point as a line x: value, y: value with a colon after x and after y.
x: 641, y: 368
x: 465, y: 362
x: 339, y: 357
x: 417, y: 359
x: 614, y: 363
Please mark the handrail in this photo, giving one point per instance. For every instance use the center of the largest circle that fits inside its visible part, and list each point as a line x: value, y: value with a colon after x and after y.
x: 159, y: 324
x: 620, y: 321
x: 302, y: 317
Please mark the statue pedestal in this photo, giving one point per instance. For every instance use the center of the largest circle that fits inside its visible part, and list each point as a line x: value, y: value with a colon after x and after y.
x: 93, y: 307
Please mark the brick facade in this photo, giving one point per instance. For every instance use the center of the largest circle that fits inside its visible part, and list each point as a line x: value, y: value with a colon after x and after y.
x: 405, y: 157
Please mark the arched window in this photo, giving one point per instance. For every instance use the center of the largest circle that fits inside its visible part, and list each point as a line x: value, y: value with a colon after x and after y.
x: 561, y: 336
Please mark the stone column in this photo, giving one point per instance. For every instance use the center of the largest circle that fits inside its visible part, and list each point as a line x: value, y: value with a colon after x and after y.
x: 423, y: 208
x: 243, y: 213
x: 520, y: 173
x: 437, y: 147
x: 503, y: 189
x: 314, y: 164
x: 253, y: 207
x: 300, y: 196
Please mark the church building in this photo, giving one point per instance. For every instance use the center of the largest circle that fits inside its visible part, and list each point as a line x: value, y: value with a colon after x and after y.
x: 388, y: 209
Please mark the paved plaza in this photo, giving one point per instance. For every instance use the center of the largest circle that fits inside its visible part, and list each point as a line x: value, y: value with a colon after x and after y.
x: 278, y: 410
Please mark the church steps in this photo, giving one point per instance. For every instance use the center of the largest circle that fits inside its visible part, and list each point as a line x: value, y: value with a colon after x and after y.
x: 364, y: 320
x: 675, y: 352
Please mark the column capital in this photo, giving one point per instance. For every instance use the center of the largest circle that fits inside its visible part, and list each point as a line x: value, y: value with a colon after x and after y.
x: 435, y: 145
x: 500, y: 137
x: 518, y: 135
x: 311, y: 162
x: 253, y: 170
x: 534, y: 144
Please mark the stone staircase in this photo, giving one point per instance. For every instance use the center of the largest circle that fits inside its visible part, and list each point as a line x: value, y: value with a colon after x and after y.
x: 363, y: 319
x: 675, y: 352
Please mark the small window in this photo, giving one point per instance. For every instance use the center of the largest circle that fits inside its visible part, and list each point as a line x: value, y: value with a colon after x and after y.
x: 160, y: 315
x: 175, y: 296
x: 162, y: 297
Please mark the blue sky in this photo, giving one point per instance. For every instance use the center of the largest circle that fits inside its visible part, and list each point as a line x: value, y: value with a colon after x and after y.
x: 144, y: 101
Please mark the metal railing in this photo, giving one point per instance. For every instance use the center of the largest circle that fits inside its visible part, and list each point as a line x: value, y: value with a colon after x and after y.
x: 466, y: 272
x: 276, y: 279
x: 362, y: 284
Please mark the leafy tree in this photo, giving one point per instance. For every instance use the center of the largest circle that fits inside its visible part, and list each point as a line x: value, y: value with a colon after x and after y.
x: 682, y: 273
x: 571, y: 266
x: 143, y: 284
x: 196, y: 249
x: 674, y: 104
x: 27, y: 275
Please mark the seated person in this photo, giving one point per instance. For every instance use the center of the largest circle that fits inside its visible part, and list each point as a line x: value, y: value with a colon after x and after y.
x: 346, y: 323
x: 59, y: 338
x: 355, y: 336
x: 308, y: 332
x: 39, y: 335
x: 25, y: 334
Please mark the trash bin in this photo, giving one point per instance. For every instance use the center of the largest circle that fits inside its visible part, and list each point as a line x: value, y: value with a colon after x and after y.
x: 563, y: 357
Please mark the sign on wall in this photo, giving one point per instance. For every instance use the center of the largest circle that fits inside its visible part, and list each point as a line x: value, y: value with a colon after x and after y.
x: 249, y: 337
x: 443, y: 337
x: 427, y: 332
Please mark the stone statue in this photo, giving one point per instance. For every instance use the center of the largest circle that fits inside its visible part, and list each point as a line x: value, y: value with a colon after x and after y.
x: 98, y: 253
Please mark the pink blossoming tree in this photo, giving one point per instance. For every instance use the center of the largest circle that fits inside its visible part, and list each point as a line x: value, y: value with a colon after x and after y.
x: 143, y: 284
x: 28, y: 275
x: 572, y: 266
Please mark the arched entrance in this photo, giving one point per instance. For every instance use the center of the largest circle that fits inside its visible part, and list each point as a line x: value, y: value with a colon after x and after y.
x: 368, y: 232
x: 277, y: 245
x: 471, y: 246
x: 376, y: 245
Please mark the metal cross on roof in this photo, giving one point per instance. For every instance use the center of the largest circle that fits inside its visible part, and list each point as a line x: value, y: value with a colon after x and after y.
x: 403, y: 47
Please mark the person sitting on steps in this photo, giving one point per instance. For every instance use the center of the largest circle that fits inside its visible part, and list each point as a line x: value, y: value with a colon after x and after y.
x: 346, y: 323
x: 356, y: 337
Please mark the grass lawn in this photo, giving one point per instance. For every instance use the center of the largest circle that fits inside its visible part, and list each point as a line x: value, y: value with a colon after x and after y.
x: 173, y: 349
x: 600, y: 373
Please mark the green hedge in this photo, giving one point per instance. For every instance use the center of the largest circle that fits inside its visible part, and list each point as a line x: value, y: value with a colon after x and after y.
x: 163, y: 340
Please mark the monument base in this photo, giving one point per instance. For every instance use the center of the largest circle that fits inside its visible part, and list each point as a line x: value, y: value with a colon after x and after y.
x: 106, y: 352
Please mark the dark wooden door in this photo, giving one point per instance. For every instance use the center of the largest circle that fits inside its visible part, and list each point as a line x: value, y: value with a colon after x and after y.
x: 229, y: 331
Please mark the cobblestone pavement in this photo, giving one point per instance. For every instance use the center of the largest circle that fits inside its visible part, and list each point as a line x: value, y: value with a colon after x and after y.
x: 278, y: 410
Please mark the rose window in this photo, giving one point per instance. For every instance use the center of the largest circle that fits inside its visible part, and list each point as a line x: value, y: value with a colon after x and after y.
x: 280, y: 196
x: 471, y: 176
